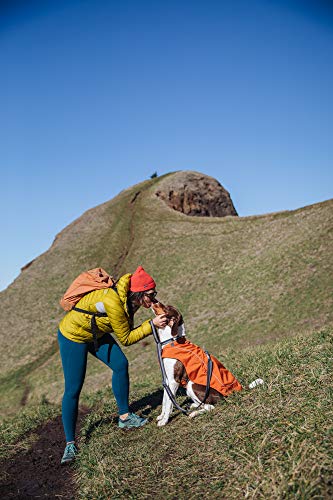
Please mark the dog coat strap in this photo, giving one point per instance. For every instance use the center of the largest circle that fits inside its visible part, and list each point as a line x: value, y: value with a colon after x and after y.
x: 209, y: 376
x: 169, y: 341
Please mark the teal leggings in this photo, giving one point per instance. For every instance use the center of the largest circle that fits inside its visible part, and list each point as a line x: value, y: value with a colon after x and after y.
x: 74, y: 363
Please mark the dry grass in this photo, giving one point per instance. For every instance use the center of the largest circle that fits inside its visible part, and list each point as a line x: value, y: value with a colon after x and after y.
x: 273, y: 442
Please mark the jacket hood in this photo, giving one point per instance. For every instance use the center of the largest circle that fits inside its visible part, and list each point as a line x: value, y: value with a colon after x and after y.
x: 123, y: 286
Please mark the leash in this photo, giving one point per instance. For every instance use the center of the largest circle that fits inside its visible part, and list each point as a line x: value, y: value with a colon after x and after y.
x: 165, y: 384
x: 164, y: 375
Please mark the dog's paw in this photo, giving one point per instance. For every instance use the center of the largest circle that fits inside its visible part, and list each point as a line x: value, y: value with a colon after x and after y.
x: 161, y: 423
x: 203, y: 409
x: 159, y: 417
x: 194, y: 405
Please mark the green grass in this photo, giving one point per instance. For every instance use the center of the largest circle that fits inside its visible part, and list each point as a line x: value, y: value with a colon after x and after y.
x: 272, y: 442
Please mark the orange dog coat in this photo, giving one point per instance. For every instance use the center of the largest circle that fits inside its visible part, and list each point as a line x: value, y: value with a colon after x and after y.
x: 195, y: 361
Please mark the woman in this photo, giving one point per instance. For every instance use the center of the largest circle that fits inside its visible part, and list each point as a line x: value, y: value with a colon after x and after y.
x: 76, y: 340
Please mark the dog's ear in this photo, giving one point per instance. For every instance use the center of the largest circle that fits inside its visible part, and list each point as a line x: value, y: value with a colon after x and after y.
x: 174, y: 328
x: 175, y: 315
x: 177, y: 318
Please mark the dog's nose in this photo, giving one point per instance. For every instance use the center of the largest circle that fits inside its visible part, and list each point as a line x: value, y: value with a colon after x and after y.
x: 154, y: 306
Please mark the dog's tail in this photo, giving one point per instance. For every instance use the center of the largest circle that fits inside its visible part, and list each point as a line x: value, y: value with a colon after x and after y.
x: 255, y: 383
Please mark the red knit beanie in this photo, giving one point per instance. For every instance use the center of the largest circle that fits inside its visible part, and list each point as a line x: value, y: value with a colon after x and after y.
x: 141, y: 281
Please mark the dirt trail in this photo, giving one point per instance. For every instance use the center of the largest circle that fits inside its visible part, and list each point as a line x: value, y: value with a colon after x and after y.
x: 37, y: 473
x: 124, y: 254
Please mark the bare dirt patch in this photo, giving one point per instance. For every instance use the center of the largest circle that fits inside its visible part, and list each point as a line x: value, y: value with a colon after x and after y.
x: 37, y: 473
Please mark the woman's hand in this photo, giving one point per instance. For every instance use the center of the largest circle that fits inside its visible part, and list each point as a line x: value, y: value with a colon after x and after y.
x: 160, y: 321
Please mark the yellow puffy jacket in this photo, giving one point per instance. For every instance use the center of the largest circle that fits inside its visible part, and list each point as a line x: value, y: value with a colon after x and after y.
x: 76, y: 326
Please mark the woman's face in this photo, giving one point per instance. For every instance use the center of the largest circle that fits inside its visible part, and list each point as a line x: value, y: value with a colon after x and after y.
x: 149, y: 298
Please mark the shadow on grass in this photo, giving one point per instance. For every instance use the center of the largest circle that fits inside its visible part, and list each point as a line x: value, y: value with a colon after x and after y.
x: 144, y: 406
x: 148, y: 403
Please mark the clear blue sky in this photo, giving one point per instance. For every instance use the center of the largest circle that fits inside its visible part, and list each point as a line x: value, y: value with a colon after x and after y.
x: 97, y: 95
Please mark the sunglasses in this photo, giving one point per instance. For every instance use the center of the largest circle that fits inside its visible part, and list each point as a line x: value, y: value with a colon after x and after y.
x: 151, y: 295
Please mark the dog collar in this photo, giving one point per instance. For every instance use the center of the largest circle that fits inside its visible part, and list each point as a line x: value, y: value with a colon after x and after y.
x: 173, y: 339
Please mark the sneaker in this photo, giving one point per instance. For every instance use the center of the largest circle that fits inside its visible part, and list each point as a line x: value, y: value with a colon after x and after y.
x: 132, y: 421
x: 69, y: 454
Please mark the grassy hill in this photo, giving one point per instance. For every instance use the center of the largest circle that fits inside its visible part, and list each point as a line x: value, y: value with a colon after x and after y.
x: 255, y: 291
x: 238, y: 281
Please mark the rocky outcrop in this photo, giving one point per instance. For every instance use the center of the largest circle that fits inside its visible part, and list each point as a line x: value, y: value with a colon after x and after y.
x: 196, y: 194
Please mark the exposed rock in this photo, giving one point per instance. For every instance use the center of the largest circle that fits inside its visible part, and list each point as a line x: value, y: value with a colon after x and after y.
x: 196, y: 194
x: 27, y: 265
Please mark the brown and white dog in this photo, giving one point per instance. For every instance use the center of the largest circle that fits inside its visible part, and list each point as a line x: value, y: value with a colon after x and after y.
x: 176, y: 372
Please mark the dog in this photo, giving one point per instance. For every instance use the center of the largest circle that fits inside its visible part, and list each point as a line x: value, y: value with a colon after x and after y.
x: 175, y: 345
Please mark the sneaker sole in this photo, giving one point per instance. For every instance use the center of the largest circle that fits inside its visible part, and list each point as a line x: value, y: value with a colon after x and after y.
x: 65, y: 462
x: 133, y: 428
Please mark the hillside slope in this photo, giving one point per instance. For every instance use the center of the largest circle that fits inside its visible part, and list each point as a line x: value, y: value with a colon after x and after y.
x: 237, y: 281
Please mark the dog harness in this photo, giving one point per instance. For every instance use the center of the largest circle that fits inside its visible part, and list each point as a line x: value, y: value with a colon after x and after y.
x: 195, y: 362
